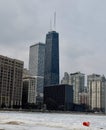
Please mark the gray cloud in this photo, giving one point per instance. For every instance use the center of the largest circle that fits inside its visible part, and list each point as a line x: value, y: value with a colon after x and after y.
x: 80, y: 23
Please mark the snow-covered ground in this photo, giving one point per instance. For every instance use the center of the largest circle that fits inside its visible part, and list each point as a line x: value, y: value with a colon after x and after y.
x: 10, y: 120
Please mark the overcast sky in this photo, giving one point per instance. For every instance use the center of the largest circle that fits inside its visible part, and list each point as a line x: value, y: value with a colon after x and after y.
x: 81, y: 25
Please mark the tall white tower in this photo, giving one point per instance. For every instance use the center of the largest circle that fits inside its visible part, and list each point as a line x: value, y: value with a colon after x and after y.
x: 36, y: 67
x: 36, y: 59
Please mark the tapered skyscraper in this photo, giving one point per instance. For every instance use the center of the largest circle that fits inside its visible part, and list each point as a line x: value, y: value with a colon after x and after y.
x: 51, y: 69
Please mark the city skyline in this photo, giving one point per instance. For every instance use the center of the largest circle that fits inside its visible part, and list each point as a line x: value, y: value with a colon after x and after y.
x: 80, y: 23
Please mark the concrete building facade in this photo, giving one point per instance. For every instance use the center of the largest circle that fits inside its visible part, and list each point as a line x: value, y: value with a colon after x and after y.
x: 96, y: 91
x: 65, y: 79
x: 11, y: 71
x: 36, y: 67
x: 104, y: 100
x: 36, y: 59
x: 29, y: 90
x: 78, y: 81
x: 83, y: 98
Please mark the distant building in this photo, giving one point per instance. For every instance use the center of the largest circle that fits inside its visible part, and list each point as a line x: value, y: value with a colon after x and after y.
x: 26, y: 73
x: 96, y: 90
x: 36, y: 59
x: 65, y: 79
x: 104, y: 101
x: 78, y: 81
x: 29, y: 91
x: 83, y: 98
x: 32, y: 90
x: 39, y: 83
x: 36, y: 67
x: 51, y: 73
x: 58, y: 97
x: 11, y: 71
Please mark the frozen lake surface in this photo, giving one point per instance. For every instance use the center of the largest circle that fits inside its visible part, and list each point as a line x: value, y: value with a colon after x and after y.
x: 10, y: 120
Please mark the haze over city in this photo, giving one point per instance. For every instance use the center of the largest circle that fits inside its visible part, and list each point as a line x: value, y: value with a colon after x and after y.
x: 81, y: 25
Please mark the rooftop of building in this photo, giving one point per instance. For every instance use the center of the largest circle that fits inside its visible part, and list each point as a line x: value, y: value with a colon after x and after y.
x: 39, y: 43
x: 11, y: 59
x: 58, y: 85
x: 76, y: 73
x: 51, y: 32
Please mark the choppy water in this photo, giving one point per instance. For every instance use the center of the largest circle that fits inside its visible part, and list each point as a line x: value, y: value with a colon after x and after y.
x: 49, y: 121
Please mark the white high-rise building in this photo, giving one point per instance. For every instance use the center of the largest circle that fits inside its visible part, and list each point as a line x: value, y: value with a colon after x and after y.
x: 65, y: 79
x: 96, y: 90
x: 36, y: 59
x: 78, y: 81
x: 29, y: 90
x: 36, y: 67
x: 32, y: 89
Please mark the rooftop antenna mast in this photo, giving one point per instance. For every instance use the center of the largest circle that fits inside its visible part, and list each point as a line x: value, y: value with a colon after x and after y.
x: 50, y: 25
x: 55, y: 20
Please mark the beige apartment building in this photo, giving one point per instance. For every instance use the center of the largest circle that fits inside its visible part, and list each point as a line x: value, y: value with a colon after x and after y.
x: 11, y: 71
x: 77, y: 80
x: 96, y: 91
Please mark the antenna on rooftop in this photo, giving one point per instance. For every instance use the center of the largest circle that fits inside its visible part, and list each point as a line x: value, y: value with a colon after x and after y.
x: 53, y: 26
x: 55, y: 20
x: 50, y: 25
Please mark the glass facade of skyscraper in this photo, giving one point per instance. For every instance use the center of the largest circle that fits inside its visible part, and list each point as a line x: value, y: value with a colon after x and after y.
x: 51, y: 71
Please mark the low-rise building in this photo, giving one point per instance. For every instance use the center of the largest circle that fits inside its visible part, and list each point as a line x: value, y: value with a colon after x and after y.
x: 58, y: 97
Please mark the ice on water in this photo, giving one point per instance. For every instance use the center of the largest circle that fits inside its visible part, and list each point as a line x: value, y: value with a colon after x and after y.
x: 49, y: 121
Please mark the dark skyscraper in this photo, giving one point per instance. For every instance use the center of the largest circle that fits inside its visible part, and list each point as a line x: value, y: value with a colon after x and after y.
x: 51, y: 72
